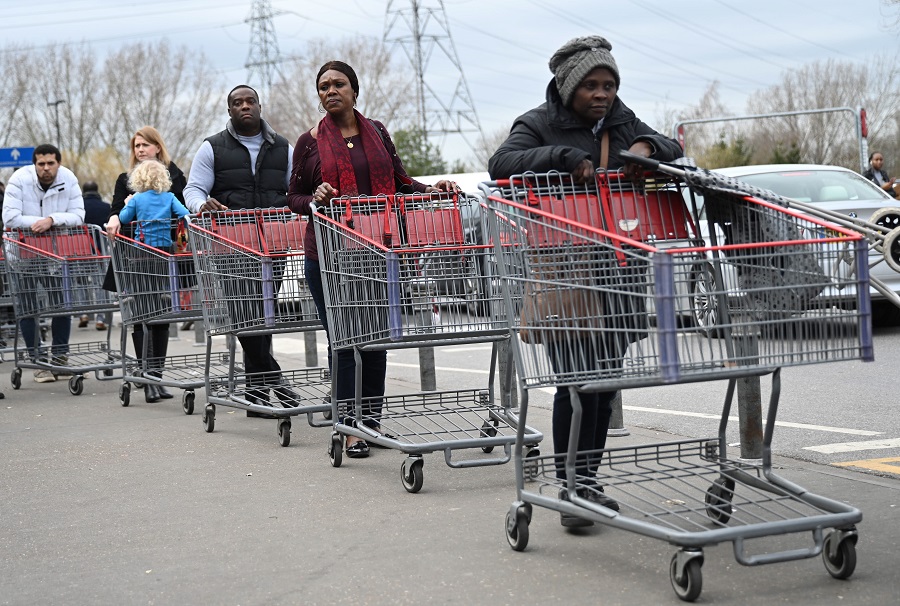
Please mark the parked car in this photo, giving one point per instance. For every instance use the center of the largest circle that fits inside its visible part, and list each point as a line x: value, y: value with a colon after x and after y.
x: 830, y: 188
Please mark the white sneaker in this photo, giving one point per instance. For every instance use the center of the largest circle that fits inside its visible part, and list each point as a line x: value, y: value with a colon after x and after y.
x: 44, y: 376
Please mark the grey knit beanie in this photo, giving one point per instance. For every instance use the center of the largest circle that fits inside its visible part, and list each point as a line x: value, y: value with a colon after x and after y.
x: 575, y: 60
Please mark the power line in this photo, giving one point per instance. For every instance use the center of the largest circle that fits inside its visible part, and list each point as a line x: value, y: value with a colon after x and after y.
x: 421, y: 29
x: 263, y: 56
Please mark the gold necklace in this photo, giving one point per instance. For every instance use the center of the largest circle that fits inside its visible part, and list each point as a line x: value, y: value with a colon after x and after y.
x: 349, y: 142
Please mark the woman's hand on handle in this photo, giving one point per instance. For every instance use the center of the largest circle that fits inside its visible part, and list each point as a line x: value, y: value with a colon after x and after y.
x: 583, y: 172
x: 113, y: 225
x: 633, y: 170
x: 444, y: 185
x: 324, y: 193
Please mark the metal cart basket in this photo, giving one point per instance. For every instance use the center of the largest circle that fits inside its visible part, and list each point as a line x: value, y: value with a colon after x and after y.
x: 398, y: 272
x: 60, y: 272
x: 250, y: 274
x: 157, y: 286
x: 588, y: 296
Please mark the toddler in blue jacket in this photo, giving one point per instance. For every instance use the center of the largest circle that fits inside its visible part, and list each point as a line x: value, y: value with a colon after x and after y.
x: 154, y: 206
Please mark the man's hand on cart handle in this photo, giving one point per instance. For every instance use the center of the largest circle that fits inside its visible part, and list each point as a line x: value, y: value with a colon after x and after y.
x: 324, y: 193
x: 212, y: 204
x: 42, y: 225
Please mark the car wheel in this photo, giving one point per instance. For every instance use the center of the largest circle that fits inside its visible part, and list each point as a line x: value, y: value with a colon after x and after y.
x: 704, y: 293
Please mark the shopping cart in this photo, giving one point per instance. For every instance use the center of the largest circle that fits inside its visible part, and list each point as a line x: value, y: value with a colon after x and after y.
x: 60, y: 272
x: 157, y: 286
x: 398, y: 272
x: 593, y: 289
x: 250, y: 274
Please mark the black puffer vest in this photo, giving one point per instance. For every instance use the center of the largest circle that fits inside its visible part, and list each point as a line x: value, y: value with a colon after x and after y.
x: 235, y: 184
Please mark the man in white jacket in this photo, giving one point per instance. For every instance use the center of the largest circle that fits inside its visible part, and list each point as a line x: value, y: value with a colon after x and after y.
x: 39, y: 197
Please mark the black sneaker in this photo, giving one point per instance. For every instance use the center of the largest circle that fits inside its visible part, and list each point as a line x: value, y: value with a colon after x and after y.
x: 567, y: 520
x: 595, y: 494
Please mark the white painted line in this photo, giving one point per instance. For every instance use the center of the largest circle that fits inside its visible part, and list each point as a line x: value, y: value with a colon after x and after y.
x: 855, y: 446
x: 703, y: 415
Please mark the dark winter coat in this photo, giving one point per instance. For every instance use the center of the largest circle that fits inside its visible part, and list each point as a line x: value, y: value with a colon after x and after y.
x: 551, y: 137
x: 96, y: 211
x: 235, y: 185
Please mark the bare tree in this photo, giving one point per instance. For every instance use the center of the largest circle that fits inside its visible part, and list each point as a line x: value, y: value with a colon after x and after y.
x: 487, y: 145
x: 175, y: 90
x: 829, y: 138
x: 385, y: 89
x: 699, y: 137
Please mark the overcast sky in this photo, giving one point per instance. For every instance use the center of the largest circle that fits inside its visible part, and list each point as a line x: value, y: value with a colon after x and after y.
x: 668, y: 51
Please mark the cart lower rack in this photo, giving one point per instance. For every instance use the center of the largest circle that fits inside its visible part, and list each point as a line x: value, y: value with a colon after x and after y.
x: 60, y: 273
x: 399, y: 272
x: 251, y: 280
x: 584, y: 324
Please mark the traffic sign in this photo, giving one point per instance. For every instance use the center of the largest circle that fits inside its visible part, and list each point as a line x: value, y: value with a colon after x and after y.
x: 15, y: 156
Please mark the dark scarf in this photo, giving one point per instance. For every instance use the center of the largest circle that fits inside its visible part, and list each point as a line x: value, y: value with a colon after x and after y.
x: 337, y: 168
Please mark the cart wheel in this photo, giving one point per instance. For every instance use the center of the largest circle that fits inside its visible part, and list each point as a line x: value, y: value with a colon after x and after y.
x: 488, y: 430
x: 888, y: 218
x: 718, y: 500
x: 76, y: 385
x: 891, y: 246
x: 704, y: 300
x: 16, y: 378
x: 690, y: 585
x: 842, y: 564
x: 530, y: 467
x: 125, y: 393
x: 517, y: 530
x: 284, y: 432
x: 209, y: 418
x: 187, y: 402
x: 336, y: 450
x: 411, y: 474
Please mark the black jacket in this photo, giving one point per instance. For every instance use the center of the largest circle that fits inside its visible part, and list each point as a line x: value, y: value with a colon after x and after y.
x: 236, y: 185
x: 96, y: 211
x: 550, y: 137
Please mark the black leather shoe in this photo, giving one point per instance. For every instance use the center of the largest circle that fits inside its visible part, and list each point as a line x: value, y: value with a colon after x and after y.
x: 255, y: 396
x: 164, y: 394
x: 151, y: 393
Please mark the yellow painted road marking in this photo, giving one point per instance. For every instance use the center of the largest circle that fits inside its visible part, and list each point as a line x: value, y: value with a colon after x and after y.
x: 882, y: 465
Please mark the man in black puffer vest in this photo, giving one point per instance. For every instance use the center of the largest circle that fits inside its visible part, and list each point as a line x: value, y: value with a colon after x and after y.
x: 245, y: 166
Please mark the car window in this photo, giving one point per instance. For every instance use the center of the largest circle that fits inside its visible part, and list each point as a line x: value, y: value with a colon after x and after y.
x: 817, y: 185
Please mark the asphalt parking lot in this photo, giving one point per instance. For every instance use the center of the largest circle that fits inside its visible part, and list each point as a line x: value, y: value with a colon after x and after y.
x: 104, y: 504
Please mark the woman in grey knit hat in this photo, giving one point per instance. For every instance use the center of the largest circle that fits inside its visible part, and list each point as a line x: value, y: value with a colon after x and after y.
x: 582, y: 114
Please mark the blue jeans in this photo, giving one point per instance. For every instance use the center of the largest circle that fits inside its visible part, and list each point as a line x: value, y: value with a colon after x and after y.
x: 374, y: 363
x: 60, y: 328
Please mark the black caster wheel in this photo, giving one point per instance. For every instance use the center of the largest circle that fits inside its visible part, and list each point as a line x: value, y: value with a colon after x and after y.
x: 718, y: 500
x: 517, y: 529
x: 412, y: 475
x: 530, y: 467
x: 16, y: 378
x: 488, y: 430
x: 689, y: 585
x: 284, y: 432
x: 125, y: 393
x: 839, y: 558
x: 76, y: 385
x: 336, y: 450
x: 187, y: 402
x: 209, y: 418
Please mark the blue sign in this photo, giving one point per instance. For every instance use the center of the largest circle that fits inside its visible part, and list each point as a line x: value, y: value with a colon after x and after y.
x: 15, y: 156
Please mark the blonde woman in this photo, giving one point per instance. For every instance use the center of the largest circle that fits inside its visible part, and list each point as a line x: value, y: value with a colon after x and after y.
x: 146, y: 144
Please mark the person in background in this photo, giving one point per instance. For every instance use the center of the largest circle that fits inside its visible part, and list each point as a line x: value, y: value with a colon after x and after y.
x: 96, y: 212
x: 146, y: 144
x: 346, y: 154
x: 581, y: 126
x: 877, y: 175
x: 245, y: 166
x: 39, y: 197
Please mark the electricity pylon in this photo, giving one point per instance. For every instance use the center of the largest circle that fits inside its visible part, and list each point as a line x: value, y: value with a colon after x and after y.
x: 443, y: 102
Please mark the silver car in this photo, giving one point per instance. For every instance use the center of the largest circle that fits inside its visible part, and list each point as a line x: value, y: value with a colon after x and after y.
x: 829, y: 189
